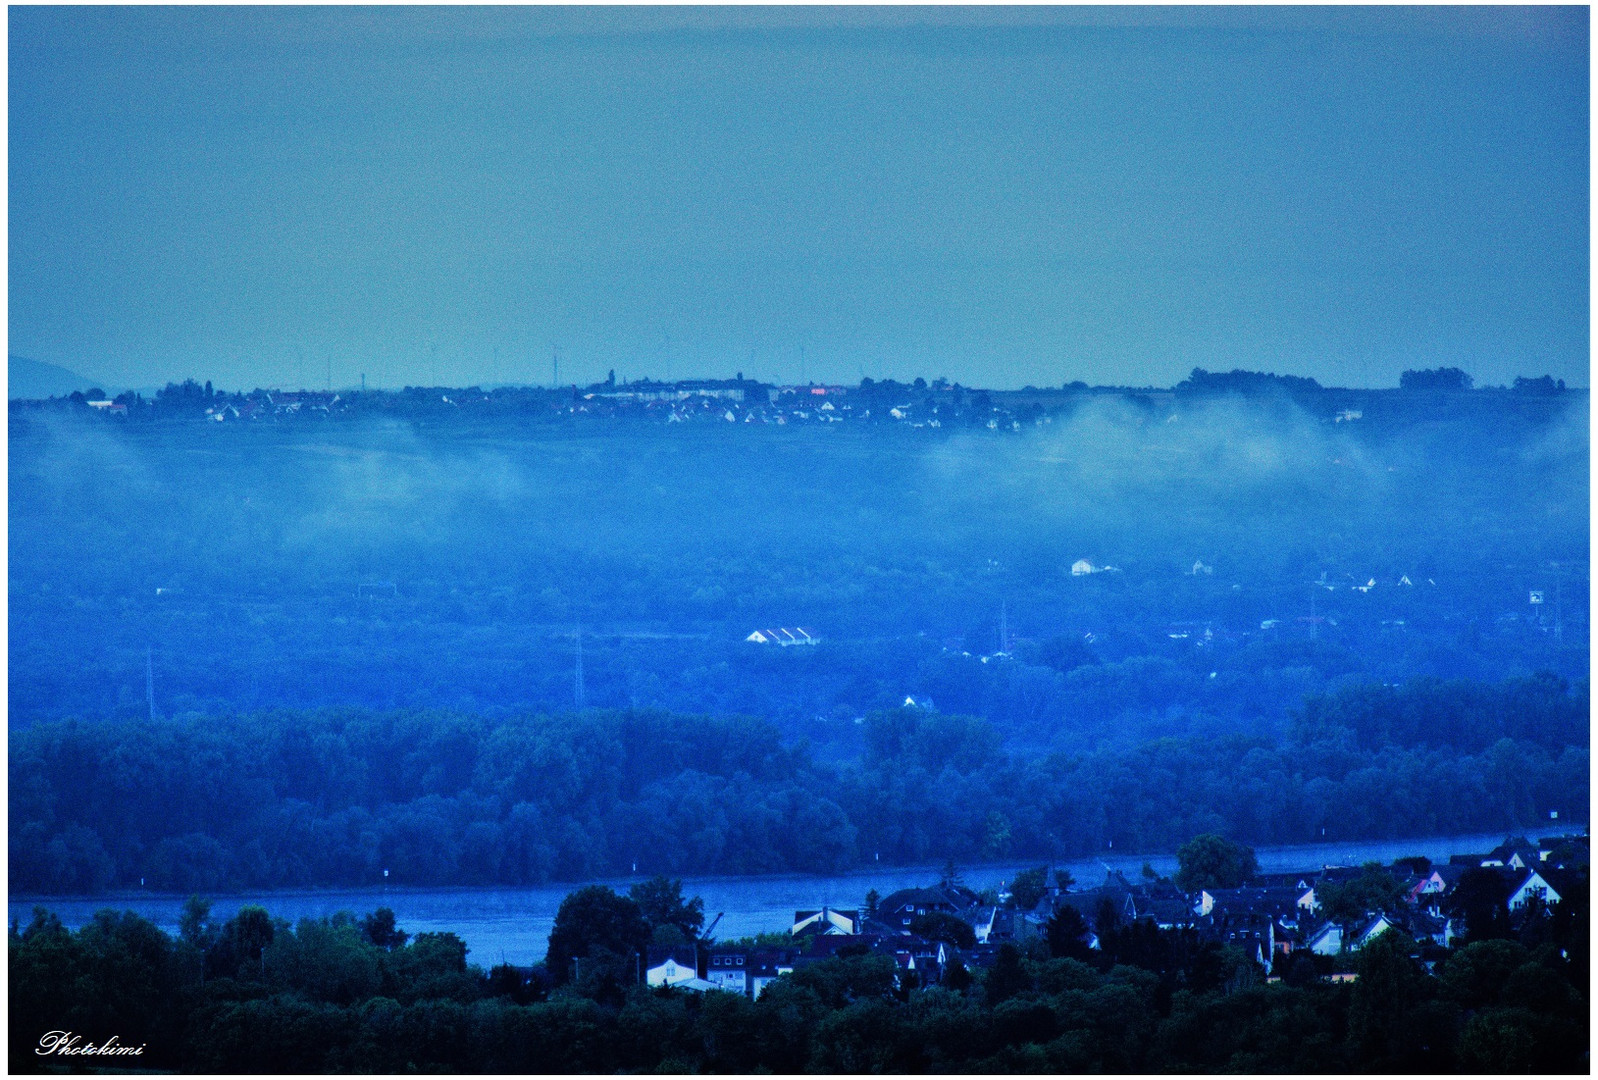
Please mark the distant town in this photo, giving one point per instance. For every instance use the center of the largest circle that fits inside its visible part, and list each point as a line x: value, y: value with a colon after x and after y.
x: 918, y: 404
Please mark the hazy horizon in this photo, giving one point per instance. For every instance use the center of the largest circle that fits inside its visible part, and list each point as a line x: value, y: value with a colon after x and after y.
x: 291, y: 196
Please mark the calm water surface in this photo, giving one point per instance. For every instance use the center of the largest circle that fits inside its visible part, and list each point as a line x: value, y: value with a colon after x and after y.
x: 513, y: 925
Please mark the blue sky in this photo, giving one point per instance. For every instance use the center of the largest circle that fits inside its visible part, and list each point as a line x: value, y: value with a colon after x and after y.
x: 259, y: 196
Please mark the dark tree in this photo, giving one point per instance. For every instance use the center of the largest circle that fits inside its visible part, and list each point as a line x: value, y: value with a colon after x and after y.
x: 1375, y: 889
x: 194, y: 924
x: 1007, y: 977
x: 247, y: 935
x: 1029, y: 887
x: 661, y: 903
x: 379, y: 929
x: 941, y: 926
x: 1067, y: 934
x: 594, y: 918
x: 1435, y: 379
x: 1209, y: 861
x: 1481, y: 898
x: 1389, y: 987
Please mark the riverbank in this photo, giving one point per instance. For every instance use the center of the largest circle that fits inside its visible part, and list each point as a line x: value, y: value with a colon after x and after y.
x: 512, y: 925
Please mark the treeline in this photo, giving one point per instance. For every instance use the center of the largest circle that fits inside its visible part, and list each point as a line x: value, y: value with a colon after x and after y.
x: 204, y: 802
x: 345, y: 995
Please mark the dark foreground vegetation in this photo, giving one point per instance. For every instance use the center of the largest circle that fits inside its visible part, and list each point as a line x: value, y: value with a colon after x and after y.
x: 338, y: 797
x: 254, y: 994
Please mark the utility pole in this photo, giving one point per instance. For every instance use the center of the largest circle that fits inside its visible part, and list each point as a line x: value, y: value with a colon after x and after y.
x: 554, y: 381
x: 149, y: 678
x: 1559, y: 625
x: 579, y: 696
x: 1004, y: 628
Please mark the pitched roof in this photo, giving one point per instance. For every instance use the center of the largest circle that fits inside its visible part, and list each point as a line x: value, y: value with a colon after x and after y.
x: 1250, y: 900
x: 918, y: 897
x: 826, y: 945
x: 659, y: 954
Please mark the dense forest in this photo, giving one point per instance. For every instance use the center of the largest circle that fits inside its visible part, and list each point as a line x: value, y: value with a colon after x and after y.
x: 254, y: 994
x: 336, y: 797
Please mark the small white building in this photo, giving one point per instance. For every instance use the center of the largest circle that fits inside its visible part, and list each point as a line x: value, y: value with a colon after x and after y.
x: 1328, y: 941
x: 1082, y: 566
x: 698, y: 986
x: 677, y: 968
x: 784, y: 636
x: 826, y: 921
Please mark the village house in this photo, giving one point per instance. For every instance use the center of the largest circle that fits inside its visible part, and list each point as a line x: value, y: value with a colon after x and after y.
x: 728, y: 969
x: 670, y: 965
x: 825, y: 921
x: 1529, y: 883
x: 896, y: 910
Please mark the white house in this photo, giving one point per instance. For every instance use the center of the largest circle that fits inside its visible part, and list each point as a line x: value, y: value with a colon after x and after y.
x: 1368, y: 933
x: 1429, y: 885
x: 1327, y: 941
x: 1082, y: 566
x: 826, y: 921
x: 729, y: 971
x: 1531, y: 885
x: 676, y: 968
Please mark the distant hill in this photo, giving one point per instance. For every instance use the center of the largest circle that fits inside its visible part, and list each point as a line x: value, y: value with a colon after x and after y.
x: 33, y: 379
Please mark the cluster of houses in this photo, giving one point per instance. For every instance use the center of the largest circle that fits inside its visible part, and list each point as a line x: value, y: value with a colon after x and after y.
x: 278, y: 404
x: 1400, y: 581
x: 817, y: 935
x: 687, y: 400
x: 756, y: 403
x: 1272, y: 918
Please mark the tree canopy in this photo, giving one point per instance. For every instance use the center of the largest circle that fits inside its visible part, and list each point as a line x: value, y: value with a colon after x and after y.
x: 1209, y: 861
x: 595, y: 919
x: 661, y: 903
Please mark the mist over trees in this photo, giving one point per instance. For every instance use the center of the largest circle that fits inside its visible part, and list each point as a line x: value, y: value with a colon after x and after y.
x: 298, y: 653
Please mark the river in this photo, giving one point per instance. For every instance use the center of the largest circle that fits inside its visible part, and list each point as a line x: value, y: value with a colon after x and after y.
x: 501, y: 925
